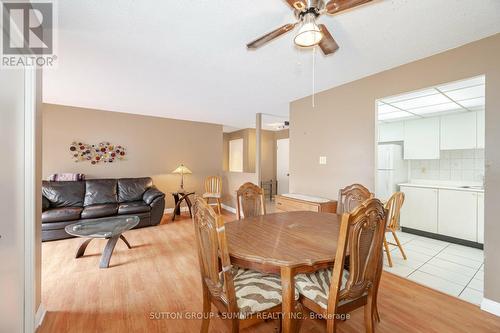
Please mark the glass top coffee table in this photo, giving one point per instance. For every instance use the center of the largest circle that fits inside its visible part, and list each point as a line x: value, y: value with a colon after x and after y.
x: 110, y: 228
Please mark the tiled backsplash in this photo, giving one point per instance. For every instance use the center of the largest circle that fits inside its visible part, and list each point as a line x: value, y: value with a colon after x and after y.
x: 460, y: 165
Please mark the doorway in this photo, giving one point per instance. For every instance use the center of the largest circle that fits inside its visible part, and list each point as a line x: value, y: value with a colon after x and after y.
x: 431, y: 148
x: 283, y: 165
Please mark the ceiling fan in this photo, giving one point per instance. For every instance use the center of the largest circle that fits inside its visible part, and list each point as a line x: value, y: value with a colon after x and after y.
x: 310, y: 33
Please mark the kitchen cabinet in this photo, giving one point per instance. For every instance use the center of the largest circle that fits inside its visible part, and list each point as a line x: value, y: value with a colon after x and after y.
x: 421, y: 139
x: 390, y: 132
x: 457, y: 214
x: 480, y: 218
x: 420, y: 209
x: 459, y: 131
x: 481, y: 131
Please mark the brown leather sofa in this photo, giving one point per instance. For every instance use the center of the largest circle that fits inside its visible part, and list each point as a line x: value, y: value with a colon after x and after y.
x: 66, y: 203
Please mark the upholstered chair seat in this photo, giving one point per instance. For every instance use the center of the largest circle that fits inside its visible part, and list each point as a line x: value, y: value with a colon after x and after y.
x: 316, y: 286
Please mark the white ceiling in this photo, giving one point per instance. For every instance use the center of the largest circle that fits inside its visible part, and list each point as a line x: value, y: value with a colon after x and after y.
x: 188, y: 60
x: 461, y: 96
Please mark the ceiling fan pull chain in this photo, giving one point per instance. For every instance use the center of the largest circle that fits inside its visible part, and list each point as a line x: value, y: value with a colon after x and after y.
x: 314, y: 77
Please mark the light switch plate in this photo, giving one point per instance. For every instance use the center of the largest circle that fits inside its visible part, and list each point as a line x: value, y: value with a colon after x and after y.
x: 322, y: 160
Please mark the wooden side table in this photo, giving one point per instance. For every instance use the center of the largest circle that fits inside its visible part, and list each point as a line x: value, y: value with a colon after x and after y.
x: 179, y: 197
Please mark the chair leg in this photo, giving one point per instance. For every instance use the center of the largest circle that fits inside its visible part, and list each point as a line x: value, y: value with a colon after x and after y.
x: 235, y: 325
x: 331, y: 326
x: 299, y: 309
x: 207, y: 309
x: 386, y: 246
x: 369, y: 324
x: 399, y: 244
x: 219, y: 206
x: 376, y: 315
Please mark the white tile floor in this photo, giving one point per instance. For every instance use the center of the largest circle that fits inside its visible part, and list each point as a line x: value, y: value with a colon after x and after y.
x: 453, y: 269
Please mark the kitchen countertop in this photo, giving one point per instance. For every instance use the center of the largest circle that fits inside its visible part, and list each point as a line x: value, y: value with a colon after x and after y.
x: 473, y: 188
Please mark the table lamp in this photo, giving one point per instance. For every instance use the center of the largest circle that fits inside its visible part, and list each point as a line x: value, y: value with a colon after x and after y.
x: 183, y: 170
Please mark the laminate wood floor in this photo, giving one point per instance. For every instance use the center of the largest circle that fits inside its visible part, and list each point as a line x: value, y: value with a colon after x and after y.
x: 154, y: 286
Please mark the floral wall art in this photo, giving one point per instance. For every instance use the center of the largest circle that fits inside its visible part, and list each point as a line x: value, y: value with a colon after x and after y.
x: 103, y: 152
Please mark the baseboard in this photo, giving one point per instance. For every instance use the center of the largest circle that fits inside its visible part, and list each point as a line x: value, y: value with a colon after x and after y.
x: 40, y: 316
x: 228, y: 208
x: 490, y: 306
x: 171, y: 210
x: 186, y: 209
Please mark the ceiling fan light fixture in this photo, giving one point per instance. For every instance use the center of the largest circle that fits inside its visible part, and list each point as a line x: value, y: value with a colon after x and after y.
x: 309, y: 33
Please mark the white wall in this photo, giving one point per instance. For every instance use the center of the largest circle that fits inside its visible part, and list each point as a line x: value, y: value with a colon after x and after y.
x: 465, y: 165
x: 12, y: 200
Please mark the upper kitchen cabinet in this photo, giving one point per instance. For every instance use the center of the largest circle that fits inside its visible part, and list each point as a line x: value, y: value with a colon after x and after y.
x: 390, y: 132
x: 480, y: 129
x: 421, y: 139
x: 458, y: 131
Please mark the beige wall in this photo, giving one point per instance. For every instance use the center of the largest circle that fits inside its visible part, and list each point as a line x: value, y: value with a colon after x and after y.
x: 231, y: 181
x: 155, y: 146
x: 342, y: 127
x: 249, y: 144
x: 248, y: 148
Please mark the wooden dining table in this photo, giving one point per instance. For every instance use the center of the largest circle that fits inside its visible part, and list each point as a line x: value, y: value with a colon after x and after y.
x: 285, y: 243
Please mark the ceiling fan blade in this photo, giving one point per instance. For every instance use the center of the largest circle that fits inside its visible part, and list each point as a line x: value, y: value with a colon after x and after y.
x: 270, y: 36
x: 336, y: 6
x: 299, y: 5
x: 328, y: 45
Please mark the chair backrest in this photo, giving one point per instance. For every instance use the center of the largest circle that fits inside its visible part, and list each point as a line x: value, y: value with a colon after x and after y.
x: 362, y: 234
x: 351, y: 197
x: 250, y: 201
x: 393, y: 207
x: 213, y: 255
x: 213, y: 184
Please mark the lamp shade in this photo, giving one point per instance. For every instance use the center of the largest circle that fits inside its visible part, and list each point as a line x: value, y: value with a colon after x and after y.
x: 182, y: 169
x: 309, y: 33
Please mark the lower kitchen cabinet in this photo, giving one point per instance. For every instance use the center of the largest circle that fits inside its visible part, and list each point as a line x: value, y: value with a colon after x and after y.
x: 457, y: 214
x: 420, y: 209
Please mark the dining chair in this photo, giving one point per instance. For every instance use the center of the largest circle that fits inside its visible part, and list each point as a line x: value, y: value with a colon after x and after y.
x: 393, y: 207
x: 241, y: 295
x: 250, y: 201
x: 336, y: 291
x: 351, y: 197
x: 213, y: 190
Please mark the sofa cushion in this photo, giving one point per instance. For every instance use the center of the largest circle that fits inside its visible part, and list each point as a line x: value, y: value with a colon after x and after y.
x: 61, y: 214
x: 95, y: 211
x: 100, y: 191
x: 133, y: 207
x: 132, y: 189
x: 152, y: 194
x: 64, y: 194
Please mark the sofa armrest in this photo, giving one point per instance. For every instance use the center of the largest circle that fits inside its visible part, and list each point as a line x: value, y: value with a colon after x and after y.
x: 45, y: 203
x: 151, y: 194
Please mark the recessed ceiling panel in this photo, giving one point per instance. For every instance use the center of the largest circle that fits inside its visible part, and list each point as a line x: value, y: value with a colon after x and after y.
x: 473, y: 103
x: 395, y: 115
x: 411, y: 95
x: 384, y: 108
x: 422, y: 102
x: 466, y: 93
x: 437, y: 108
x: 476, y: 81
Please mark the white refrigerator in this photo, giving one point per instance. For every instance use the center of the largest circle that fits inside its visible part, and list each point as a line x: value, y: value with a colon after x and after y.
x: 392, y: 170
